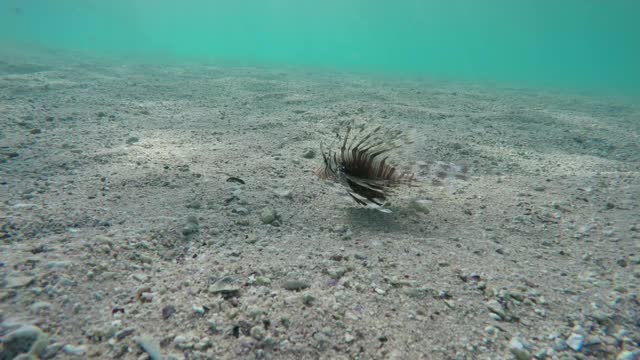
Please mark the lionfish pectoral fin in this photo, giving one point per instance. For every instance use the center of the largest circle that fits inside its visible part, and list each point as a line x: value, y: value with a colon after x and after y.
x: 357, y: 199
x: 369, y: 202
x: 374, y: 184
x: 377, y: 201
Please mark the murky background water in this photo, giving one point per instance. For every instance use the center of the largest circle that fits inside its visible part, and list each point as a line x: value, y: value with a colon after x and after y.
x: 579, y: 45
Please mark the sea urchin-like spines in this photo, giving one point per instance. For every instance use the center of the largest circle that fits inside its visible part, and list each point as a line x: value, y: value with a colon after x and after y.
x: 357, y: 165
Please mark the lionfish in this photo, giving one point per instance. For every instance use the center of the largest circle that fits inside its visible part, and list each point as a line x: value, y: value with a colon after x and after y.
x: 360, y: 166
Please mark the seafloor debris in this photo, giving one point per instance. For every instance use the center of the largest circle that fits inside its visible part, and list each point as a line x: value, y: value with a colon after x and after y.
x: 235, y: 180
x: 361, y: 166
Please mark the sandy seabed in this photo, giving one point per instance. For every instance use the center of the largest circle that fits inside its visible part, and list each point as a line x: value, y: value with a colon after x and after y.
x: 126, y: 230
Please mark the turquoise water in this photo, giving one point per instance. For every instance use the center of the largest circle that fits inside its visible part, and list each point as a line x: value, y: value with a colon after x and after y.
x: 584, y: 45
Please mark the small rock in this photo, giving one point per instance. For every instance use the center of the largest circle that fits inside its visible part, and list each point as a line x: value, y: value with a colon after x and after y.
x: 403, y: 283
x: 52, y: 350
x: 195, y: 204
x: 622, y: 262
x: 168, y: 311
x: 348, y: 338
x: 283, y: 193
x: 132, y: 140
x: 124, y: 333
x: 146, y: 297
x: 621, y: 334
x: 213, y: 325
x: 516, y: 295
x: 575, y: 341
x: 58, y: 264
x: 18, y: 281
x: 225, y: 287
x: 628, y: 355
x: 240, y: 210
x: 560, y: 345
x: 309, y: 154
x: 418, y: 292
x: 182, y: 342
x: 336, y: 272
x: 541, y: 354
x: 263, y: 280
x: 198, y: 309
x: 203, y: 345
x: 190, y: 228
x: 145, y: 259
x: 257, y: 332
x: 361, y: 257
x: 141, y: 277
x: 295, y: 285
x: 192, y: 219
x: 496, y: 308
x: 520, y: 349
x: 308, y: 299
x: 39, y: 306
x: 268, y: 216
x: 601, y: 317
x: 27, y: 339
x: 74, y: 350
x: 420, y: 205
x: 150, y: 346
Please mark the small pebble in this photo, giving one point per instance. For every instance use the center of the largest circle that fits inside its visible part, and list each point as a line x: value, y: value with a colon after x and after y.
x: 150, y: 346
x: 257, y: 332
x: 263, y: 280
x: 336, y: 272
x: 268, y: 215
x: 39, y: 306
x: 124, y: 333
x: 18, y: 281
x: 308, y: 299
x: 168, y: 311
x: 496, y: 308
x: 629, y: 355
x: 283, y: 193
x: 74, y: 350
x: 198, y: 309
x: 519, y: 348
x: 309, y: 154
x: 213, y: 325
x: 225, y: 287
x: 51, y: 350
x: 490, y: 330
x: 26, y: 339
x: 141, y: 277
x: 190, y: 228
x: 575, y: 341
x: 295, y: 285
